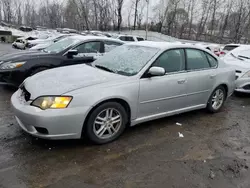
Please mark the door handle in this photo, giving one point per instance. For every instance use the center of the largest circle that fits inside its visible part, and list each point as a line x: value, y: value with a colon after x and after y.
x: 212, y: 76
x: 181, y: 81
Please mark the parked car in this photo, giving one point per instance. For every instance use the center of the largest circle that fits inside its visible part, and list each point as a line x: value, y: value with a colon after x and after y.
x: 229, y: 47
x: 129, y: 38
x: 21, y: 43
x: 134, y: 83
x: 42, y: 44
x: 14, y: 68
x: 239, y: 59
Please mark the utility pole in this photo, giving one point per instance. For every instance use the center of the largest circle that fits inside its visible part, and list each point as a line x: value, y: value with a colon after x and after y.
x: 147, y: 20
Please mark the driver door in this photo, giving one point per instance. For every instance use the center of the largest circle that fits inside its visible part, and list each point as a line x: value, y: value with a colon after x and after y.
x: 87, y: 53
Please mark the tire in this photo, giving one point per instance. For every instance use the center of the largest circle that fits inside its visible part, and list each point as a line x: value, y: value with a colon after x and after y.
x: 220, y: 100
x: 37, y: 70
x: 92, y: 128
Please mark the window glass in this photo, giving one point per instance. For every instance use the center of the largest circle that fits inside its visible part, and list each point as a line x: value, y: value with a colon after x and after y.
x: 89, y: 47
x: 126, y: 38
x: 110, y: 45
x: 171, y: 61
x: 140, y: 39
x: 212, y: 60
x: 122, y: 38
x: 230, y: 47
x: 62, y: 45
x: 130, y: 39
x: 196, y: 59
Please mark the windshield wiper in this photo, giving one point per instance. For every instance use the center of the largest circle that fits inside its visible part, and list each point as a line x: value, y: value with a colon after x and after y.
x: 104, y: 68
x: 236, y: 57
x: 244, y: 57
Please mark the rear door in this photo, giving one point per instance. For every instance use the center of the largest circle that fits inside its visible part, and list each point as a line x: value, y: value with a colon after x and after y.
x: 201, y: 76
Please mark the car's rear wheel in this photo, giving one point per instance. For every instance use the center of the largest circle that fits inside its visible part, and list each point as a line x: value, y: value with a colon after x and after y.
x: 217, y: 99
x: 106, y: 123
x: 37, y: 70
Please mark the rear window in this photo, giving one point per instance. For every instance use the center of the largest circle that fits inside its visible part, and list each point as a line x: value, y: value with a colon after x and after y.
x: 126, y: 38
x: 230, y: 47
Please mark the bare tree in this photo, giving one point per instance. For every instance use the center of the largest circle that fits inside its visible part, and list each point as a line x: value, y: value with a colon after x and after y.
x: 7, y: 12
x: 136, y: 2
x: 119, y: 13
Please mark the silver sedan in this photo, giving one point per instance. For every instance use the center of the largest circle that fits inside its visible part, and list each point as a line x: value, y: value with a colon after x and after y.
x: 135, y: 83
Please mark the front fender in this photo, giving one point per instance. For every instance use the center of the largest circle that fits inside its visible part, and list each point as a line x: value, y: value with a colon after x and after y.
x: 92, y: 96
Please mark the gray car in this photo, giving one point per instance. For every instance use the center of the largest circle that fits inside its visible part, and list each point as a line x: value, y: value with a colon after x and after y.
x: 132, y: 84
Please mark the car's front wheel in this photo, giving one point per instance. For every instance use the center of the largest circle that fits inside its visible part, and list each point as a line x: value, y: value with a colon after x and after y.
x: 106, y: 123
x: 217, y: 99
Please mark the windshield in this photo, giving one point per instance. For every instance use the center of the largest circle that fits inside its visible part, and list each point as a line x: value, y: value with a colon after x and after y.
x: 61, y: 45
x: 242, y: 54
x: 126, y: 60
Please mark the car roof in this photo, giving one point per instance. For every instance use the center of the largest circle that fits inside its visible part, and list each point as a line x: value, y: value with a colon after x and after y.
x: 83, y: 38
x: 164, y: 45
x: 125, y: 35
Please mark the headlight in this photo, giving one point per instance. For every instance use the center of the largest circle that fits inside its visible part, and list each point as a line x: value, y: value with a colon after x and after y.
x: 10, y: 65
x: 246, y: 75
x: 52, y: 102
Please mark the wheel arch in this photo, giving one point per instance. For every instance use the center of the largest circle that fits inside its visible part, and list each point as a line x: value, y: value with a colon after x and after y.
x: 224, y: 85
x: 119, y: 100
x: 37, y: 67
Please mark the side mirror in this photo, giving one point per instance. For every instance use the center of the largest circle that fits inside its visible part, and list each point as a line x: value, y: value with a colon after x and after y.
x: 71, y: 53
x: 157, y: 71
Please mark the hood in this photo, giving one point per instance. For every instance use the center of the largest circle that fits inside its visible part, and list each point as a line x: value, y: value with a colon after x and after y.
x: 41, y: 46
x: 242, y: 65
x: 22, y: 56
x: 63, y: 80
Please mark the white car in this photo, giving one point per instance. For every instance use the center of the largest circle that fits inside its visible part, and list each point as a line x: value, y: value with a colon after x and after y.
x: 21, y: 43
x: 45, y: 42
x: 229, y: 47
x: 239, y: 58
x: 130, y: 38
x: 42, y: 44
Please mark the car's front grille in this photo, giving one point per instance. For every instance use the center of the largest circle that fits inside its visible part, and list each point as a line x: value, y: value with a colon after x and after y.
x: 25, y: 93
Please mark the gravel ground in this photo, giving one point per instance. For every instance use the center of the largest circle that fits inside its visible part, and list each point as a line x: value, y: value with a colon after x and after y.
x: 214, y: 152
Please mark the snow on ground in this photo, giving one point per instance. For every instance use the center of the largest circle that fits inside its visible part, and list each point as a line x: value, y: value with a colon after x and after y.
x: 34, y: 33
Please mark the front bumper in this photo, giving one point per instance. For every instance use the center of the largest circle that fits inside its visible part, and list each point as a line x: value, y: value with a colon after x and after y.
x: 243, y: 85
x: 59, y: 123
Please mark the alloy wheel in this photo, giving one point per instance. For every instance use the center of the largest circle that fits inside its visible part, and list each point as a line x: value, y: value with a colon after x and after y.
x: 218, y: 99
x: 107, y: 123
